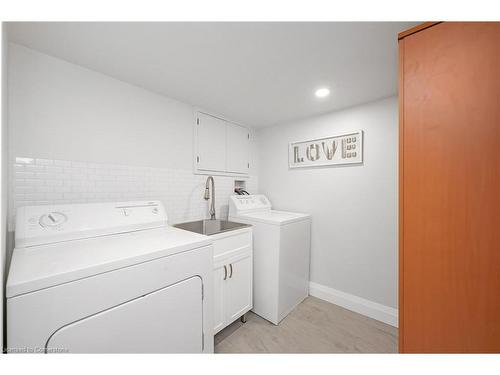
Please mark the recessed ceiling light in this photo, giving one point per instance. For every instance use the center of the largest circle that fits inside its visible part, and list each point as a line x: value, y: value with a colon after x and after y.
x: 322, y: 92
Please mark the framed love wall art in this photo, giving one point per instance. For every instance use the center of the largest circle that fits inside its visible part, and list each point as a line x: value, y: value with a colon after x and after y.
x: 340, y: 149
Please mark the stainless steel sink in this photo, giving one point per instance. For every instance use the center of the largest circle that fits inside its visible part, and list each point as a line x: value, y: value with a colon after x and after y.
x: 210, y: 227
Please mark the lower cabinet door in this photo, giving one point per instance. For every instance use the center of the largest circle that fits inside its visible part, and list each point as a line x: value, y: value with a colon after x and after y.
x: 169, y: 320
x: 219, y: 284
x: 238, y: 288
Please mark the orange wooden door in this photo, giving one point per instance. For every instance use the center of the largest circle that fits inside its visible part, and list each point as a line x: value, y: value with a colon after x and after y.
x: 450, y: 189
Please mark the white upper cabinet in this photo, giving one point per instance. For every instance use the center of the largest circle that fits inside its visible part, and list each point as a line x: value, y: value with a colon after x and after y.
x: 221, y: 146
x: 211, y: 140
x: 237, y: 149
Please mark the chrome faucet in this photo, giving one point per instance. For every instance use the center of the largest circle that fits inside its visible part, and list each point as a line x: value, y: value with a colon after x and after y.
x: 211, y: 211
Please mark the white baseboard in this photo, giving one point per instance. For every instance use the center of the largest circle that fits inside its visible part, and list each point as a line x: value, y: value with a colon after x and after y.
x: 386, y: 314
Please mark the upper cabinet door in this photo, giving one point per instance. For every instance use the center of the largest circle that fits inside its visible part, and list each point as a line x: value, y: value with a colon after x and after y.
x: 238, y: 140
x: 211, y: 140
x: 221, y: 147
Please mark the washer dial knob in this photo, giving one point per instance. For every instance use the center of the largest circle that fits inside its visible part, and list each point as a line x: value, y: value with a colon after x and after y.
x: 52, y: 219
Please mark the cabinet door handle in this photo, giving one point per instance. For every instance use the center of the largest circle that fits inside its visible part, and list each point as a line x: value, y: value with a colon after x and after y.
x: 231, y: 270
x: 225, y: 272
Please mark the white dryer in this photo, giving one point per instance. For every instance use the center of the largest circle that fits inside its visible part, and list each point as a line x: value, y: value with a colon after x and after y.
x: 281, y: 254
x: 108, y: 278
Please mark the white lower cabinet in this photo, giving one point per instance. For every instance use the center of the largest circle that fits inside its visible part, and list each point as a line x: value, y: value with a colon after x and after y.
x: 239, y: 288
x: 219, y: 281
x: 232, y: 276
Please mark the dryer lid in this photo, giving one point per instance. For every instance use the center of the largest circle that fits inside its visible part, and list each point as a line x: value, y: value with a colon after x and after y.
x: 35, y: 268
x: 39, y: 225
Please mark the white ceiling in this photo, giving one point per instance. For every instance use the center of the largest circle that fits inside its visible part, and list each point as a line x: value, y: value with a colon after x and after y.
x: 256, y: 73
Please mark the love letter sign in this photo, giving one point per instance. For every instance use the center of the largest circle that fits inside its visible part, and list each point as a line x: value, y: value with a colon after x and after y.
x: 335, y: 150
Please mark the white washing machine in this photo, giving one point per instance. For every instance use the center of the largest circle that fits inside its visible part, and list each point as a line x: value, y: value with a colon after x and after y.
x: 281, y: 254
x: 108, y: 278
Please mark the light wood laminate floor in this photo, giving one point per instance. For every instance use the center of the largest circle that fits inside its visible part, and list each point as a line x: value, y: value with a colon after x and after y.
x: 315, y: 326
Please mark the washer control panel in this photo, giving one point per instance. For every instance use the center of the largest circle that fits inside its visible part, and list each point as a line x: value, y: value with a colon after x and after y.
x: 239, y: 204
x: 36, y: 225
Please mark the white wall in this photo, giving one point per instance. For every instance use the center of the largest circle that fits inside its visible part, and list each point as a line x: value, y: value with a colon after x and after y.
x: 354, y: 208
x: 4, y: 175
x: 85, y: 137
x: 62, y: 111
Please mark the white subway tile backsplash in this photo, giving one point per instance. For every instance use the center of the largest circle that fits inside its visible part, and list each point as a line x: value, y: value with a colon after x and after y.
x: 44, y: 161
x: 32, y: 168
x: 57, y: 181
x: 24, y: 174
x: 55, y: 169
x: 31, y: 181
x: 45, y: 181
x: 62, y: 163
x: 24, y: 160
